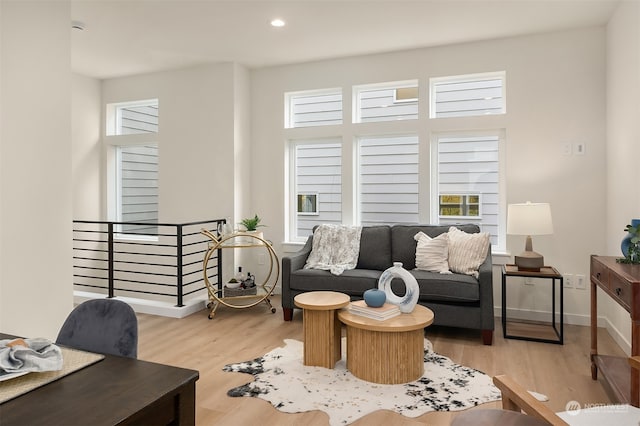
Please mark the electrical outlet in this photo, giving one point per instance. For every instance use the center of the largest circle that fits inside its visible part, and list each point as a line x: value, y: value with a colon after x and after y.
x: 568, y: 280
x: 581, y: 282
x: 528, y: 281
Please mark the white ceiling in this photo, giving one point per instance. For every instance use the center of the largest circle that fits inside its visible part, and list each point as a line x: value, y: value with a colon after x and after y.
x: 124, y: 37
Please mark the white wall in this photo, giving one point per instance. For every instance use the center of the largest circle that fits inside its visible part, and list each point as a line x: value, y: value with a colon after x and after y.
x: 555, y: 86
x: 623, y: 141
x: 87, y: 171
x: 196, y: 137
x: 35, y: 167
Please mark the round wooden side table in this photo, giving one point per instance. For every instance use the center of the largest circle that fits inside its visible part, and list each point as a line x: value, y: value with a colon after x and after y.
x: 322, y: 330
x: 389, y: 351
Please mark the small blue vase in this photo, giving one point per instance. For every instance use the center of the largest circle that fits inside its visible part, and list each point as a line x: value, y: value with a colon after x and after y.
x: 374, y: 298
x: 626, y: 241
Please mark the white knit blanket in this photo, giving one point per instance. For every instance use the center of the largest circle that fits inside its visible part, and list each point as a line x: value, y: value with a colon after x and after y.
x: 335, y: 248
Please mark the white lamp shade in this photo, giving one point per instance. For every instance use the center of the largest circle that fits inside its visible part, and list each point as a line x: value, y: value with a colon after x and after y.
x: 529, y: 219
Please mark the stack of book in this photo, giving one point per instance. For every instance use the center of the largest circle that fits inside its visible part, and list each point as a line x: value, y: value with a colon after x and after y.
x: 382, y: 313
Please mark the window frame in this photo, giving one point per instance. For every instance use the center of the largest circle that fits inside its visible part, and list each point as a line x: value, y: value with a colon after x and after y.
x: 291, y: 181
x: 434, y: 174
x: 112, y: 142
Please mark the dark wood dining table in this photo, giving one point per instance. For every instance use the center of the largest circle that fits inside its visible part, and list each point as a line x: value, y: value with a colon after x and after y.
x: 113, y: 391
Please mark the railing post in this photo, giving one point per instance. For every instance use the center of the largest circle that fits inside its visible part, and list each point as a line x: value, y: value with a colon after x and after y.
x: 179, y: 263
x: 110, y: 249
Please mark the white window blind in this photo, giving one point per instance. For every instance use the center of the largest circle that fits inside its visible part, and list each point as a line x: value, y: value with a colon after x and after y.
x: 469, y: 165
x: 395, y: 101
x: 317, y: 172
x: 388, y: 180
x: 315, y: 108
x: 467, y: 95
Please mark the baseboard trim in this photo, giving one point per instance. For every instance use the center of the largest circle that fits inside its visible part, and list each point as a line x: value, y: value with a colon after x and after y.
x: 570, y: 319
x: 152, y: 307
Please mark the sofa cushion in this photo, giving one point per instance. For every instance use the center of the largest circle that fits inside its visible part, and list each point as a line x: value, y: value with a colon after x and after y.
x: 375, y: 248
x: 403, y: 246
x: 442, y: 287
x: 432, y: 253
x: 467, y: 251
x: 353, y: 282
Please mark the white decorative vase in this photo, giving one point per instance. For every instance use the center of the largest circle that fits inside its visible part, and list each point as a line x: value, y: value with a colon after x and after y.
x: 410, y: 298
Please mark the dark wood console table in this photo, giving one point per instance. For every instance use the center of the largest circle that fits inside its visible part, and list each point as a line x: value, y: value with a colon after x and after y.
x: 622, y: 283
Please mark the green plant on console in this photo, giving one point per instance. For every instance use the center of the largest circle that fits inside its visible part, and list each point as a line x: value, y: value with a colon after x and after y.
x: 633, y: 256
x: 251, y: 223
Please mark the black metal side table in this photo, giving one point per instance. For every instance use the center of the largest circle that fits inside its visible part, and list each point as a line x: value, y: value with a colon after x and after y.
x: 546, y: 272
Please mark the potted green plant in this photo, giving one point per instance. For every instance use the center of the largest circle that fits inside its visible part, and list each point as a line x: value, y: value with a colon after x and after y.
x: 251, y: 225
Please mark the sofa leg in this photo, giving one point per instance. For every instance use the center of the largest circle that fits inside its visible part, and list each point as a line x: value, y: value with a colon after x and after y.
x: 487, y: 337
x: 287, y: 313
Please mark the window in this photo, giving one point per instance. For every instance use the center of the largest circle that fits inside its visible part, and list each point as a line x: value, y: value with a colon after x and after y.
x: 467, y: 180
x: 137, y: 192
x: 385, y: 102
x: 316, y: 168
x: 313, y: 108
x: 308, y: 204
x: 132, y: 117
x: 133, y: 166
x: 459, y: 205
x: 392, y: 165
x: 467, y: 95
x: 388, y: 180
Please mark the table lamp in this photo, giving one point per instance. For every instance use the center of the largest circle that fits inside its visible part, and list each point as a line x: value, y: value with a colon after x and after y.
x: 529, y: 219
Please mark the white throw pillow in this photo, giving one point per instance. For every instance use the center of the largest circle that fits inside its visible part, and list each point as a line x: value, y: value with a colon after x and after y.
x: 432, y: 253
x: 467, y: 251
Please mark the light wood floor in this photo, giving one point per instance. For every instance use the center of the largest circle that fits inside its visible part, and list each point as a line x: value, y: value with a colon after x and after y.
x: 560, y: 372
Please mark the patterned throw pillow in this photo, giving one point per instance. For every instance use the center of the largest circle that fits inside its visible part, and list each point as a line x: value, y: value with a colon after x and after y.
x: 432, y: 253
x: 467, y: 251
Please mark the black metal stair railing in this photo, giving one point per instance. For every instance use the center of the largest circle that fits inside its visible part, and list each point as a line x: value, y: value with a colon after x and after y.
x: 162, y: 262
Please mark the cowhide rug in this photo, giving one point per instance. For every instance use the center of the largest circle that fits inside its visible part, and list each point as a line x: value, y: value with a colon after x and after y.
x: 281, y: 379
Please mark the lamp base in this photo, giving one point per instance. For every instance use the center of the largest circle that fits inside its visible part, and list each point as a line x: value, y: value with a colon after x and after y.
x: 529, y: 261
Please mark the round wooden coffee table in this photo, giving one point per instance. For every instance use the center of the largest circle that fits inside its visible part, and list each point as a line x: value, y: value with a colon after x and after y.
x: 390, y: 351
x: 322, y: 330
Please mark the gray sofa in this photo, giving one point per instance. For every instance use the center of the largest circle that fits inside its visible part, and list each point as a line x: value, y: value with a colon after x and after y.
x: 457, y: 300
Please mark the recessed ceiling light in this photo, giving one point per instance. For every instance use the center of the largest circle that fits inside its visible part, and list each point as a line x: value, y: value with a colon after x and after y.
x: 277, y: 23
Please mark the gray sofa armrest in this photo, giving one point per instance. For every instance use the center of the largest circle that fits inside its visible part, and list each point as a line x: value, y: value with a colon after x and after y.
x: 485, y: 281
x: 290, y: 264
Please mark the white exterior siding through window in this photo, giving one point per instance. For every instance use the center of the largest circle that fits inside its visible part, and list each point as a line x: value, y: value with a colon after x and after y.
x: 134, y: 164
x: 469, y: 95
x: 317, y: 170
x: 470, y: 164
x: 316, y: 108
x: 137, y: 119
x: 388, y: 180
x: 386, y: 103
x: 138, y: 191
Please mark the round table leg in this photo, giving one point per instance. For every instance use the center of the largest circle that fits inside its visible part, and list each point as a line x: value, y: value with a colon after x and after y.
x: 322, y: 333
